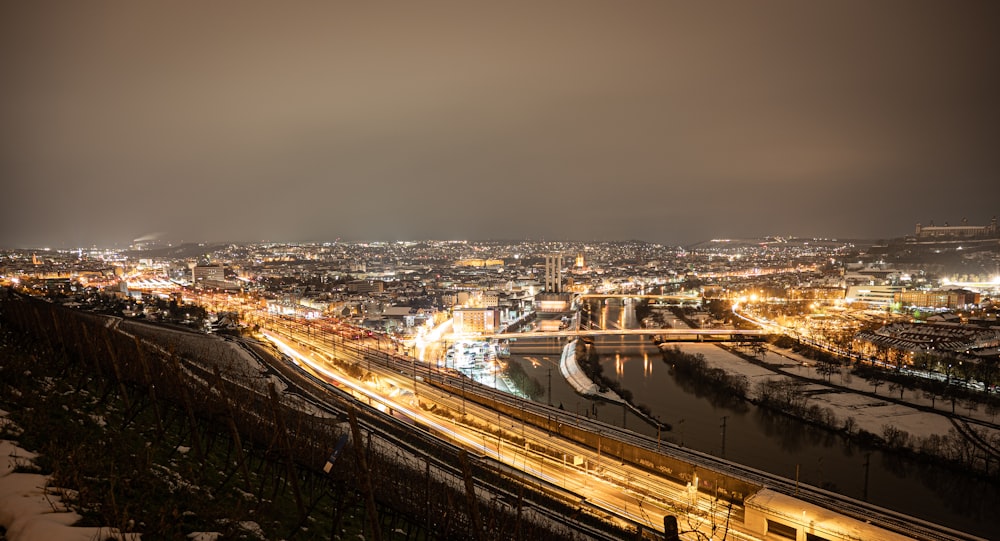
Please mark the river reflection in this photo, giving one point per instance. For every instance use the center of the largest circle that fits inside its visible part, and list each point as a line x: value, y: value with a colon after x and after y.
x: 701, y: 389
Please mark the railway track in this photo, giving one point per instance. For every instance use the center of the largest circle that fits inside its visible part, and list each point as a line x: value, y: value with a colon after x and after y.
x: 858, y: 510
x: 861, y: 511
x: 422, y: 443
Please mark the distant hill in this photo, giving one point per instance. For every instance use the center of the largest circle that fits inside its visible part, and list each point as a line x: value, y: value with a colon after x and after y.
x: 180, y: 251
x: 790, y: 242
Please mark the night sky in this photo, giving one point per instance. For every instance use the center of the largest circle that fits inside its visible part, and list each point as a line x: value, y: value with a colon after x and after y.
x: 667, y: 122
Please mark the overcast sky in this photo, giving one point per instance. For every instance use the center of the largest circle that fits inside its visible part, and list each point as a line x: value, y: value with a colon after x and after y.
x: 668, y: 122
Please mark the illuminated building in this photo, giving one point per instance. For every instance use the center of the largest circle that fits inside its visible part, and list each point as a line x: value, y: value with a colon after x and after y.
x: 873, y: 295
x: 366, y: 286
x: 476, y: 320
x: 148, y: 283
x: 815, y: 293
x: 479, y: 263
x: 215, y: 273
x: 964, y: 231
x: 772, y: 515
x: 943, y: 339
x: 549, y: 303
x: 553, y: 310
x: 937, y: 299
x: 491, y: 299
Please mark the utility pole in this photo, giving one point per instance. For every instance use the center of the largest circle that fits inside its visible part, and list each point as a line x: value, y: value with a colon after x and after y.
x: 723, y: 426
x: 550, y: 386
x: 413, y: 361
x: 796, y: 479
x: 868, y: 457
x: 598, y: 451
x: 658, y: 425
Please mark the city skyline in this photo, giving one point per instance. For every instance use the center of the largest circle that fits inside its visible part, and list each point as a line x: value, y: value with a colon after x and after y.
x: 667, y: 123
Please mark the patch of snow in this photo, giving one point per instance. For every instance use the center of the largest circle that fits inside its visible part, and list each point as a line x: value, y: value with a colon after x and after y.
x: 12, y: 457
x: 300, y: 404
x: 173, y: 479
x: 279, y: 384
x: 252, y: 527
x: 577, y: 379
x: 9, y: 425
x: 204, y: 536
x: 30, y: 510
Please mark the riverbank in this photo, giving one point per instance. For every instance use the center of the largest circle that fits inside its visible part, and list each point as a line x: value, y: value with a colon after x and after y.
x: 791, y: 386
x: 583, y: 382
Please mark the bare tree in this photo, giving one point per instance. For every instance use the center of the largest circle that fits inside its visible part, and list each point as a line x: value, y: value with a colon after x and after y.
x: 827, y: 367
x: 900, y: 386
x: 876, y: 379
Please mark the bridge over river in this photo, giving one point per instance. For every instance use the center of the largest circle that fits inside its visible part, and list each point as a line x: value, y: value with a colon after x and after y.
x: 668, y: 334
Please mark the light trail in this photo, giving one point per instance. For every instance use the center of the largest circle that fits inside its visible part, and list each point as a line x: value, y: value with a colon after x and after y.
x: 431, y: 337
x: 600, y: 490
x: 444, y: 429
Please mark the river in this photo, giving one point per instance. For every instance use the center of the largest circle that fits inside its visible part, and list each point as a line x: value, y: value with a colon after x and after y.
x: 765, y: 440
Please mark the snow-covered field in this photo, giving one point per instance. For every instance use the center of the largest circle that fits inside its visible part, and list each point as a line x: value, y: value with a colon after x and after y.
x: 870, y: 413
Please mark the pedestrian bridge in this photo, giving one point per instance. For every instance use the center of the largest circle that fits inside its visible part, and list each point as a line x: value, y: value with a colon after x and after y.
x: 667, y: 335
x: 689, y: 298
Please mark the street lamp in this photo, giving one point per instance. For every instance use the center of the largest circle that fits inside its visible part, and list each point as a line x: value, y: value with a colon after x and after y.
x: 598, y: 450
x: 658, y: 426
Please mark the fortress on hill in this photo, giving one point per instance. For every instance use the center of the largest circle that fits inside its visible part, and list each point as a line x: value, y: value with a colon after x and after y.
x: 964, y: 231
